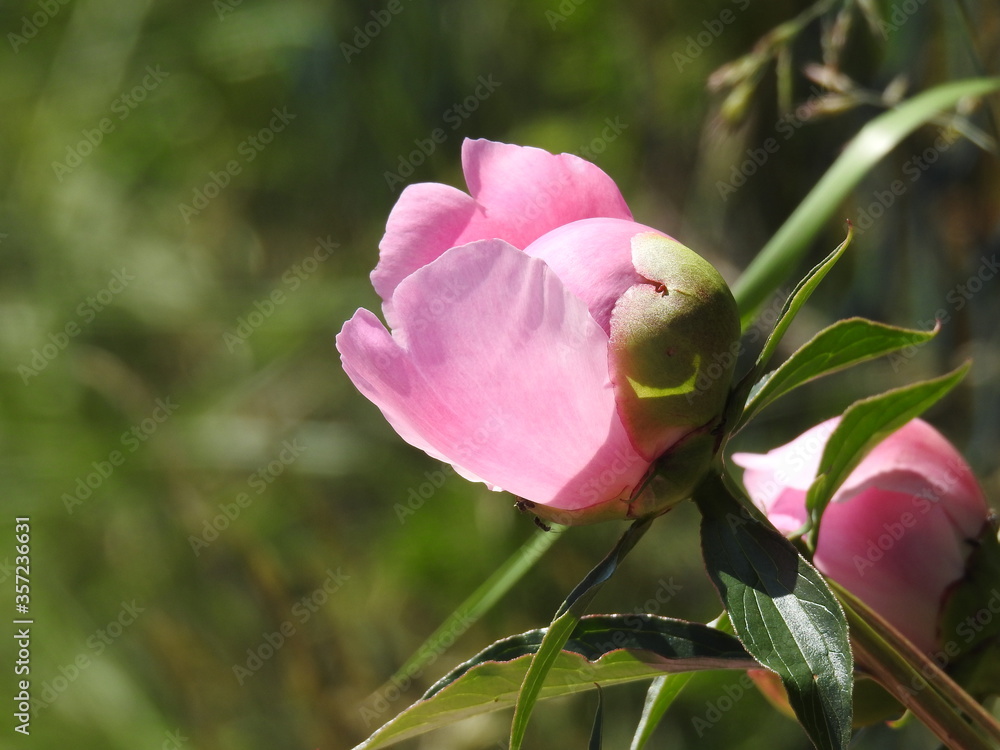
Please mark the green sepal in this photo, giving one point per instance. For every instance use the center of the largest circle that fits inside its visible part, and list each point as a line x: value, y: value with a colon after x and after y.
x: 970, y: 621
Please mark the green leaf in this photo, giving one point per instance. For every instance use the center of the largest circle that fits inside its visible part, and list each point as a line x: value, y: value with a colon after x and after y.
x: 545, y: 658
x: 864, y: 425
x: 660, y: 696
x: 566, y: 619
x: 780, y: 255
x: 845, y: 343
x: 783, y: 612
x: 604, y: 649
x: 598, y: 729
x: 799, y: 296
x: 803, y: 290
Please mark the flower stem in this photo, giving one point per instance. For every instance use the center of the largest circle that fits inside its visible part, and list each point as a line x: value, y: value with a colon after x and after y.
x: 916, y: 681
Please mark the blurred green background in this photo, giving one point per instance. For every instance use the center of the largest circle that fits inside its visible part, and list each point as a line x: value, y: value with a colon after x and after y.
x: 192, y: 198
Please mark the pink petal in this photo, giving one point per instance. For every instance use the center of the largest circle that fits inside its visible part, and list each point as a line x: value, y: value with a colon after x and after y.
x: 895, y: 553
x: 518, y: 194
x: 593, y: 257
x: 777, y: 481
x: 428, y: 219
x: 919, y: 460
x: 528, y: 191
x: 496, y: 368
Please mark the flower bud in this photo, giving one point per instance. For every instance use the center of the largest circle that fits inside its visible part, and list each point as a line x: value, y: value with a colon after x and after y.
x: 898, y: 532
x: 543, y: 342
x: 674, y: 340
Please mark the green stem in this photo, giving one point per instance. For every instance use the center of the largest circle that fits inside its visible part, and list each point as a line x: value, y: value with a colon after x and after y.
x: 916, y: 681
x: 480, y: 601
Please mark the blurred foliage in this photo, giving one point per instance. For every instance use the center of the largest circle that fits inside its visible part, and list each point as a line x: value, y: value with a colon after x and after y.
x: 119, y: 115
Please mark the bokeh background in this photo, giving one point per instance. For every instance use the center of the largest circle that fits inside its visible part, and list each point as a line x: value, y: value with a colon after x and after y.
x: 191, y: 198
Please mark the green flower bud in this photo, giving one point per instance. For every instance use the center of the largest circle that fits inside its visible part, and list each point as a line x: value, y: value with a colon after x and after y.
x: 673, y: 346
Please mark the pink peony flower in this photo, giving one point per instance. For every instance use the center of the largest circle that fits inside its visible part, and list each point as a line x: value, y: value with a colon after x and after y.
x: 510, y: 356
x: 897, y: 533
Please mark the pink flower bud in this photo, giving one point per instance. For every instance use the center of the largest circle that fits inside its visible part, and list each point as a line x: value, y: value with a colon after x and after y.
x: 897, y: 533
x: 541, y: 341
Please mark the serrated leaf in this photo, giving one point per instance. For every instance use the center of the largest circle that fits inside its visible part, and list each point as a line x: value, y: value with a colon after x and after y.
x: 605, y: 649
x: 864, y: 425
x: 876, y: 139
x: 841, y: 345
x: 783, y: 612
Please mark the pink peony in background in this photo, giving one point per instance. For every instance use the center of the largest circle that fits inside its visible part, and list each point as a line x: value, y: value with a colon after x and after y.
x: 897, y: 533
